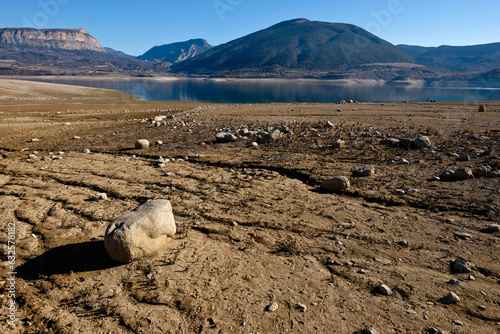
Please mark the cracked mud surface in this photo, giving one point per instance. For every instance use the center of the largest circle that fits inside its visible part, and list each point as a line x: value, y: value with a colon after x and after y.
x: 253, y: 225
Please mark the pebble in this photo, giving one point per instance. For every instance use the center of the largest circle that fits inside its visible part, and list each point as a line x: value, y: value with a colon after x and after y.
x: 371, y: 330
x: 453, y: 281
x: 482, y: 307
x: 272, y: 307
x: 158, y: 142
x: 76, y: 137
x: 348, y: 225
x: 329, y: 124
x: 493, y: 228
x: 422, y: 142
x: 301, y: 307
x: 450, y: 298
x: 384, y: 290
x: 464, y: 236
x: 460, y: 266
x: 463, y: 174
x: 169, y: 174
x: 86, y: 151
x: 339, y: 143
x: 464, y: 157
x: 335, y: 184
x: 100, y: 197
x: 365, y: 171
x: 33, y: 140
x: 404, y: 162
x: 471, y: 278
x: 142, y: 144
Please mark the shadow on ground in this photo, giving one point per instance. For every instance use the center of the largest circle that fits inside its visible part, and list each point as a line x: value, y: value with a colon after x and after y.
x: 81, y: 257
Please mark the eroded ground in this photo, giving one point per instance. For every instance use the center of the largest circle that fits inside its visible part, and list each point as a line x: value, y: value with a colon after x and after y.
x: 254, y: 226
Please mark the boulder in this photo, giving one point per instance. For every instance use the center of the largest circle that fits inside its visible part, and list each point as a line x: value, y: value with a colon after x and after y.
x: 422, y: 142
x: 405, y: 143
x: 142, y: 144
x: 390, y: 142
x: 336, y: 184
x: 447, y: 175
x: 144, y: 231
x: 463, y: 174
x: 268, y: 137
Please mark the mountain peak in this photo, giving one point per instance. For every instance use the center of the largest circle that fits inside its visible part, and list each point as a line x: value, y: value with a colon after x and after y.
x: 177, y: 52
x: 297, y: 45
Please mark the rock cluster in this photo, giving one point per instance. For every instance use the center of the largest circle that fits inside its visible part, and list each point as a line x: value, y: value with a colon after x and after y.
x: 258, y: 136
x: 466, y: 173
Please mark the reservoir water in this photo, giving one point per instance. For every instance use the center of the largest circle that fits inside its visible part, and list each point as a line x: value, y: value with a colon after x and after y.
x: 267, y: 90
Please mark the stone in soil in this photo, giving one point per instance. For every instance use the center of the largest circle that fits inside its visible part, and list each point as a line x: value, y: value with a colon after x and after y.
x: 460, y: 266
x: 336, y: 184
x: 142, y: 232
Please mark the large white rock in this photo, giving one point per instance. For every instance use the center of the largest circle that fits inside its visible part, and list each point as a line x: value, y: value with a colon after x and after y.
x: 144, y: 231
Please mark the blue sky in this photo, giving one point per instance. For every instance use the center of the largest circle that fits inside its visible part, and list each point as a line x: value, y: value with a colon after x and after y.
x: 136, y: 26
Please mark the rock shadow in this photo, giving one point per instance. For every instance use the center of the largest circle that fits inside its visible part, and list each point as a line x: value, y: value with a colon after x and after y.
x: 80, y: 257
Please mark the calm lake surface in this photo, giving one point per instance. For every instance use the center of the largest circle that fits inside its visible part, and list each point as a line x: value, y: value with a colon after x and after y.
x: 265, y: 91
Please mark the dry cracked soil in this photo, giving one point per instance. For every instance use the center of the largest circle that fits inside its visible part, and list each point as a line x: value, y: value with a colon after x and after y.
x: 254, y: 225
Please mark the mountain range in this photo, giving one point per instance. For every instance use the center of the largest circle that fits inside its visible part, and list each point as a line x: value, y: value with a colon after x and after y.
x: 293, y: 49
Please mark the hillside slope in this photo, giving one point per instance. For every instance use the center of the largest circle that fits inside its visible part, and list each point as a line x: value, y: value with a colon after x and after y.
x: 296, y: 45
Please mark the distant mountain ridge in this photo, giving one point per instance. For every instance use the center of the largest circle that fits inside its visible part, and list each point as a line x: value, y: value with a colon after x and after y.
x: 296, y: 45
x: 482, y: 57
x: 177, y: 52
x: 66, y: 39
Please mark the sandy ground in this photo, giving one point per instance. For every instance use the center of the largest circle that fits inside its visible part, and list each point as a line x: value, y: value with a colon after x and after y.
x: 254, y: 227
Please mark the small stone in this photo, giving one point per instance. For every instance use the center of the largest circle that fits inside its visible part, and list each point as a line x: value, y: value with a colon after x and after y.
x: 169, y: 174
x: 493, y: 228
x: 450, y: 298
x: 158, y: 143
x: 432, y: 330
x: 336, y: 184
x: 301, y: 307
x: 371, y: 330
x: 390, y: 141
x: 464, y: 157
x: 460, y: 266
x: 348, y: 225
x: 272, y: 307
x: 329, y: 124
x: 384, y: 290
x: 463, y: 174
x: 32, y: 156
x: 76, y: 137
x: 422, y: 142
x: 493, y: 173
x: 339, y: 143
x: 447, y: 175
x: 453, y: 282
x: 403, y: 243
x: 33, y: 140
x: 405, y: 143
x: 224, y: 137
x: 87, y: 151
x: 481, y: 171
x: 100, y: 197
x: 482, y: 307
x: 142, y: 144
x: 365, y: 171
x: 404, y: 162
x: 463, y: 236
x: 457, y: 323
x: 471, y: 278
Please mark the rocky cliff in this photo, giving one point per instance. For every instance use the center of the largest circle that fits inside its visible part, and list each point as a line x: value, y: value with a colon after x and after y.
x: 177, y: 52
x: 67, y: 39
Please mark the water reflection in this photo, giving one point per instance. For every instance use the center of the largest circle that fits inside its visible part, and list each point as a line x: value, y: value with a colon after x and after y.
x: 265, y: 91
